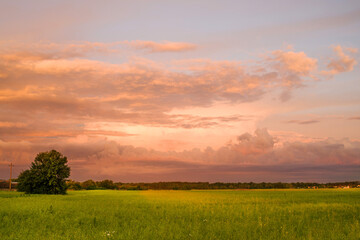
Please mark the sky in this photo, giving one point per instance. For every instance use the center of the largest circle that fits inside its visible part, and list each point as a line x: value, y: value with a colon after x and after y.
x: 215, y: 91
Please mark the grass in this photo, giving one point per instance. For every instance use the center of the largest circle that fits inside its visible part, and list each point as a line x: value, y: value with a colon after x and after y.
x: 254, y: 214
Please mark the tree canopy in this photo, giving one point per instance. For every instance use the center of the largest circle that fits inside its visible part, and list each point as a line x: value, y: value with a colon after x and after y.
x: 47, y: 174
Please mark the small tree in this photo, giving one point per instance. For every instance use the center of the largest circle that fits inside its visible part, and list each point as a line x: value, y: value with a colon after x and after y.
x: 47, y: 174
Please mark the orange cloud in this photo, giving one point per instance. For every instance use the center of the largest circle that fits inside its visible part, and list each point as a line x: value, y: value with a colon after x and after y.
x: 43, y: 87
x: 342, y: 62
x: 165, y: 46
x: 294, y: 62
x: 11, y: 124
x: 48, y: 97
x: 293, y: 68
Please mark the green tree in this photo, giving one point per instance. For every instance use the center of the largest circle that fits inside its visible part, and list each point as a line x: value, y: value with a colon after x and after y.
x: 73, y: 185
x: 88, y: 185
x: 47, y: 174
x: 107, y: 184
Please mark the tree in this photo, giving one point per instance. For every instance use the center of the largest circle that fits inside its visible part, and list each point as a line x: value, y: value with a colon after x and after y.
x: 47, y: 174
x: 73, y: 185
x: 88, y: 185
x: 107, y: 184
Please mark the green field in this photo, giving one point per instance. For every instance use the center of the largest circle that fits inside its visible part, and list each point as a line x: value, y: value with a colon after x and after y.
x: 248, y: 214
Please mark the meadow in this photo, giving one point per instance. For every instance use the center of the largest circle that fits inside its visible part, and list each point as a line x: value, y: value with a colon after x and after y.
x: 208, y: 214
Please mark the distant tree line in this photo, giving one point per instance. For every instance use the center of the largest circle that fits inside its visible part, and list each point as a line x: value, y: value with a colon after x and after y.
x: 49, y: 174
x: 109, y: 184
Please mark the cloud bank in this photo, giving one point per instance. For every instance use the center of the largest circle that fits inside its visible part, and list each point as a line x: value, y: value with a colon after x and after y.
x: 51, y: 93
x: 40, y: 85
x: 250, y: 158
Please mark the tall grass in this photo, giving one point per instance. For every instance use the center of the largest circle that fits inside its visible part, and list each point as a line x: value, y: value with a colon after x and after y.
x: 255, y: 214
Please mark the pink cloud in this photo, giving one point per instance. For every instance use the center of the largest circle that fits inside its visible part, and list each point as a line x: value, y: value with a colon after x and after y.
x: 48, y: 50
x: 97, y: 157
x: 354, y: 118
x: 42, y: 85
x: 260, y: 143
x: 294, y: 62
x: 48, y: 99
x: 87, y: 89
x: 303, y: 122
x: 342, y: 62
x: 293, y: 68
x: 164, y: 46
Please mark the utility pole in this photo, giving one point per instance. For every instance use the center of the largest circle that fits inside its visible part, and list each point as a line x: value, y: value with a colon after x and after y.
x: 11, y: 165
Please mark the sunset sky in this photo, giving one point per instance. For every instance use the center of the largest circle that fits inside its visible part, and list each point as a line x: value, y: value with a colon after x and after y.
x: 145, y: 91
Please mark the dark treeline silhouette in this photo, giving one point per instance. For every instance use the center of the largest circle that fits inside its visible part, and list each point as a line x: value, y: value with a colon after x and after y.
x: 109, y: 184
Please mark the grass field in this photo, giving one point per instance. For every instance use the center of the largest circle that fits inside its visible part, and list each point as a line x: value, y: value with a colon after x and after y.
x: 251, y: 214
